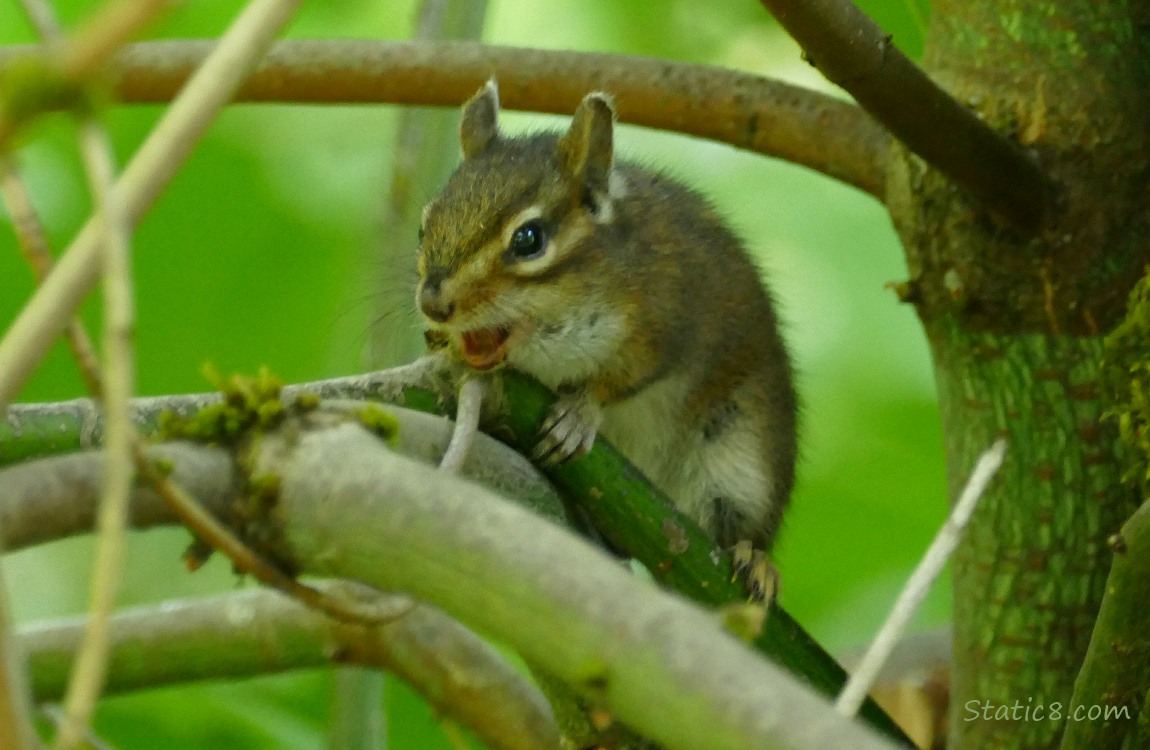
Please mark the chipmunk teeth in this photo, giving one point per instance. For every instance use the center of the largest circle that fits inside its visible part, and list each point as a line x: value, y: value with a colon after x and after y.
x: 484, y: 348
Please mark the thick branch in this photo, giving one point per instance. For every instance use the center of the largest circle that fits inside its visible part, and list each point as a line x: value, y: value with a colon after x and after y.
x: 351, y: 508
x: 455, y: 544
x: 57, y: 497
x: 852, y: 51
x: 744, y: 110
x: 637, y: 520
x: 258, y: 632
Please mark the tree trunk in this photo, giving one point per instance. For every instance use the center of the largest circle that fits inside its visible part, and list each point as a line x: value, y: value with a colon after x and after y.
x: 1015, y: 325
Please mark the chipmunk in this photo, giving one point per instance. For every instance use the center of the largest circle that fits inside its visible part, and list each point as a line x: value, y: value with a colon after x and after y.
x: 622, y: 290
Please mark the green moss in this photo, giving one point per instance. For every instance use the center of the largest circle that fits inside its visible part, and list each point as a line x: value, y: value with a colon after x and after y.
x: 251, y: 406
x: 380, y: 421
x: 1126, y: 384
x: 249, y: 402
x: 264, y: 490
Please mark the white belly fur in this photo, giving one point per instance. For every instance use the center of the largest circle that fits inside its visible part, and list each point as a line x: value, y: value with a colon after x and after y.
x: 651, y: 429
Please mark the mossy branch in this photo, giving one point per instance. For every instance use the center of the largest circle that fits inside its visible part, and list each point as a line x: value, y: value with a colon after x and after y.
x: 632, y: 515
x: 348, y: 507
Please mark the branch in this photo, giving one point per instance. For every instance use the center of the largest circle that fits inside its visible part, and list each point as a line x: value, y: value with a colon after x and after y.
x: 351, y: 508
x: 481, y: 559
x: 257, y: 632
x: 852, y: 51
x: 638, y: 520
x: 39, y: 430
x: 54, y: 498
x: 747, y: 111
x: 643, y: 523
x: 1116, y: 670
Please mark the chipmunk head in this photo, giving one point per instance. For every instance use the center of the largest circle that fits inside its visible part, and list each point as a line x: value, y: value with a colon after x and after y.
x: 518, y: 213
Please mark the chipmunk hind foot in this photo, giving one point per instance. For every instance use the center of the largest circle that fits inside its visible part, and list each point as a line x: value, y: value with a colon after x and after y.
x: 754, y: 567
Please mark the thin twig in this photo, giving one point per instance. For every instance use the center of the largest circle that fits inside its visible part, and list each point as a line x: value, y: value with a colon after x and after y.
x: 471, y: 395
x: 851, y: 50
x: 34, y: 246
x: 153, y: 166
x: 862, y: 679
x: 90, y: 668
x: 109, y: 29
x: 56, y: 715
x: 118, y: 382
x: 16, y: 729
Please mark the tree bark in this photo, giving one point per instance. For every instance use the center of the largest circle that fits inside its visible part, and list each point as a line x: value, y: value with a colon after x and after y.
x: 1015, y: 325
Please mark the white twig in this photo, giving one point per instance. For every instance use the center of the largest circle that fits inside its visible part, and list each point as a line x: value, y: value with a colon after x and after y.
x: 471, y: 395
x: 940, y: 550
x: 153, y: 166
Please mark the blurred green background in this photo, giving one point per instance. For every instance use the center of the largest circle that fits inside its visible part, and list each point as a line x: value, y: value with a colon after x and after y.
x: 264, y: 251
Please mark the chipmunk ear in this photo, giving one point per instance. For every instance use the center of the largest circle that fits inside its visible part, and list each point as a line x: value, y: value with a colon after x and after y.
x: 586, y: 150
x: 480, y: 123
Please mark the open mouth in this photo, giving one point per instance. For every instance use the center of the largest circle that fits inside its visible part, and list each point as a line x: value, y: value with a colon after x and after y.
x: 484, y: 348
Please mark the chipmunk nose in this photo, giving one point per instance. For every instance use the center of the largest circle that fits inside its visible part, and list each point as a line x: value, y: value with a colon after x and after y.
x: 431, y: 300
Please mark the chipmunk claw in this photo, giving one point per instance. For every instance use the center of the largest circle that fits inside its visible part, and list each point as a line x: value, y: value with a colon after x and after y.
x: 759, y: 574
x: 569, y: 430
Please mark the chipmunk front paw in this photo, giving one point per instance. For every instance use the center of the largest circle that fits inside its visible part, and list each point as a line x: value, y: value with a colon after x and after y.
x: 570, y: 428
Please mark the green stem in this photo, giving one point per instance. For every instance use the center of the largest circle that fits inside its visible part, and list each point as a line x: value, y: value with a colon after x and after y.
x: 1115, y: 675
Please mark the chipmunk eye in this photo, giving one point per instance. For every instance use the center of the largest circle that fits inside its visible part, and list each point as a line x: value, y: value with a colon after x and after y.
x: 528, y: 241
